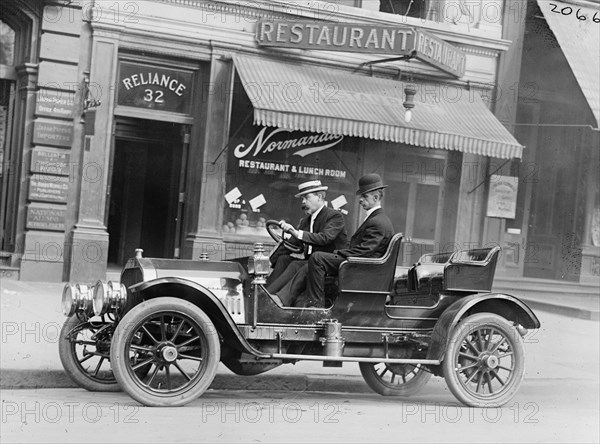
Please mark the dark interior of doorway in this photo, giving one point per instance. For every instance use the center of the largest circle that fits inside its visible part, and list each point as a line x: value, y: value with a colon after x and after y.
x: 146, y: 171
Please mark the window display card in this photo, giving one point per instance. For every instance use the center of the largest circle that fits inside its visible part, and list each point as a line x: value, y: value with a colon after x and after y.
x: 232, y: 195
x: 257, y: 202
x: 339, y: 202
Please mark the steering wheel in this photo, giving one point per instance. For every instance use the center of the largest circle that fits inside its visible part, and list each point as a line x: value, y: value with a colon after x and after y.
x: 270, y: 225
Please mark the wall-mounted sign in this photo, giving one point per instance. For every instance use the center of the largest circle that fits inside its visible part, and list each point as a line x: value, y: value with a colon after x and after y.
x: 50, y: 161
x: 359, y: 37
x: 55, y: 103
x: 46, y: 217
x: 48, y: 188
x: 502, y: 197
x: 52, y: 133
x: 153, y: 87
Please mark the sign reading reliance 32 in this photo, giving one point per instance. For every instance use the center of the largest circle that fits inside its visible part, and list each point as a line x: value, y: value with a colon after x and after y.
x: 358, y: 37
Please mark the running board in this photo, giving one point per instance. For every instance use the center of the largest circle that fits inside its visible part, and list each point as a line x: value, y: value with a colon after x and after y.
x: 350, y: 359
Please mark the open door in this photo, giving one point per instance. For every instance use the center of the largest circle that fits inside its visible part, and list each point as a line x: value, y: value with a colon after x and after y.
x: 146, y: 195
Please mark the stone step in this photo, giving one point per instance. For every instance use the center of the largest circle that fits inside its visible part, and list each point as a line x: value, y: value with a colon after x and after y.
x: 11, y: 273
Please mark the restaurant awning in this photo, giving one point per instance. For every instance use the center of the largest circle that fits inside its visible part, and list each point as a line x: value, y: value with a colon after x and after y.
x: 304, y: 97
x: 580, y: 42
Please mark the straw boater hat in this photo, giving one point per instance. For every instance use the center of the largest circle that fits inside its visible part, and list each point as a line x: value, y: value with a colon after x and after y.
x: 310, y: 187
x: 369, y: 182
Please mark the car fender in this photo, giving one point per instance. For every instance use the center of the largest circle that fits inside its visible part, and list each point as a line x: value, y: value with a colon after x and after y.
x: 204, y: 299
x: 503, y: 305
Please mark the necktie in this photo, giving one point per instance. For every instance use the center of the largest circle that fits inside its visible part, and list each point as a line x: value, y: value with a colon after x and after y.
x: 312, y: 224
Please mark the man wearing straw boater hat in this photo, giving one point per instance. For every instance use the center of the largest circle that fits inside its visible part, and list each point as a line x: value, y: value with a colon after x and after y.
x: 323, y: 229
x: 371, y: 239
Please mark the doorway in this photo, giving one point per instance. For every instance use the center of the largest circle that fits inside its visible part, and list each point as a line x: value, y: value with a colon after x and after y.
x: 147, y: 180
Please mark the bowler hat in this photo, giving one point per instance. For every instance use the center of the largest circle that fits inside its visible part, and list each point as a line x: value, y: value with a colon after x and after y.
x: 310, y: 187
x: 369, y: 182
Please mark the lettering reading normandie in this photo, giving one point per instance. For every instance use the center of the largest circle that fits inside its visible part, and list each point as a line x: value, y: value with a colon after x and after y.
x: 150, y: 78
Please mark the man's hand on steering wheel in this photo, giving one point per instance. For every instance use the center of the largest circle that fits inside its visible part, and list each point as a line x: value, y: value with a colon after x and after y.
x: 270, y: 225
x: 288, y: 228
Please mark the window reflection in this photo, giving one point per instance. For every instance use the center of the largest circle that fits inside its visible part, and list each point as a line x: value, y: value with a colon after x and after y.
x: 7, y: 44
x: 409, y: 8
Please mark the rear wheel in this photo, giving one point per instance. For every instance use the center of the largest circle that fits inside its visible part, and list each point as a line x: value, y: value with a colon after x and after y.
x: 395, y: 379
x: 485, y: 361
x: 179, y: 344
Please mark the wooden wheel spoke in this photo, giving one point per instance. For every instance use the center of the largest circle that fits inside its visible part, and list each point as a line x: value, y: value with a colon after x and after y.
x: 177, y: 331
x: 466, y: 367
x: 471, y: 357
x: 181, y: 370
x: 189, y: 341
x: 509, y: 353
x: 470, y: 378
x: 193, y: 358
x: 480, y: 341
x: 149, y: 334
x: 89, y: 355
x: 489, y: 383
x: 168, y: 374
x: 509, y: 369
x: 471, y: 346
x: 479, y: 383
x: 156, y: 370
x: 495, y: 375
x: 142, y: 348
x: 98, y: 366
x: 163, y: 329
x: 143, y: 363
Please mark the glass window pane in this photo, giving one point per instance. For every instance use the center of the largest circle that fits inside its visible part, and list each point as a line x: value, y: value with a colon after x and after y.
x: 266, y: 165
x: 7, y: 45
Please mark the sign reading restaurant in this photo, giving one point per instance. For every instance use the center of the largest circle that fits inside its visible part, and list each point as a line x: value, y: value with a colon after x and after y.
x: 358, y: 37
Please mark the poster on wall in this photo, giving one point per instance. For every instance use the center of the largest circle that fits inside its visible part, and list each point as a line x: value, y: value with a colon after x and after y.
x: 502, y: 197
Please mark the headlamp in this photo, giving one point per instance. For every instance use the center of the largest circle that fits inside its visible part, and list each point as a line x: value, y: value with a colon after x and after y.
x: 109, y: 297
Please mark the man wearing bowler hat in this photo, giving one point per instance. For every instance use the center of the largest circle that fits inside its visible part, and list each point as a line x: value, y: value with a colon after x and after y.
x: 323, y: 229
x: 371, y: 239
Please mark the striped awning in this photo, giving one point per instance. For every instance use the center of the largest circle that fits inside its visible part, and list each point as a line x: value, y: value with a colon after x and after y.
x: 305, y: 97
x: 580, y: 42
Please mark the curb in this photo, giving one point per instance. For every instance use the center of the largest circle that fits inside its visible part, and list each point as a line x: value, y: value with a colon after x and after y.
x: 57, y: 379
x: 575, y: 312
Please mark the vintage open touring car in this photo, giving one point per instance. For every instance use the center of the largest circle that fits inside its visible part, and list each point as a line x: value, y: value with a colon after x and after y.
x: 160, y: 332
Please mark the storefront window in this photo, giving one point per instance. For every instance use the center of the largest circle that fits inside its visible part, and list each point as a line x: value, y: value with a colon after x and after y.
x: 413, y: 199
x: 266, y: 165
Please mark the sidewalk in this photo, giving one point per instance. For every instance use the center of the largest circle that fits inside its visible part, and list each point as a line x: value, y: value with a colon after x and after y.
x: 31, y: 320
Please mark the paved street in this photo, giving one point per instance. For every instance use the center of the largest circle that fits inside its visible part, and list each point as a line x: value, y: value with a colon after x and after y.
x: 558, y: 402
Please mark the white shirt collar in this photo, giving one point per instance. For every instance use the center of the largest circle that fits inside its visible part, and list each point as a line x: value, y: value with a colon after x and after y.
x: 369, y: 212
x: 314, y: 215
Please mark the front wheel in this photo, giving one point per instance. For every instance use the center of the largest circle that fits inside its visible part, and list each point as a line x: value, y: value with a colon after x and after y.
x: 394, y: 379
x: 179, y: 344
x: 485, y: 361
x: 84, y: 348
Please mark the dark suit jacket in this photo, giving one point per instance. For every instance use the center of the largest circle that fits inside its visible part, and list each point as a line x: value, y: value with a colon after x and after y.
x: 371, y: 238
x: 329, y: 233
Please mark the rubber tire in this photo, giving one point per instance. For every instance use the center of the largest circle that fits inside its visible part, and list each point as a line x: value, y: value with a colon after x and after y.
x: 154, y: 307
x: 464, y: 328
x: 373, y: 380
x: 70, y: 363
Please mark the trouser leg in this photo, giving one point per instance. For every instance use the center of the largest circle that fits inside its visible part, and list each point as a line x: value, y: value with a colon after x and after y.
x: 281, y: 265
x: 296, y: 286
x: 319, y: 265
x: 285, y: 277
